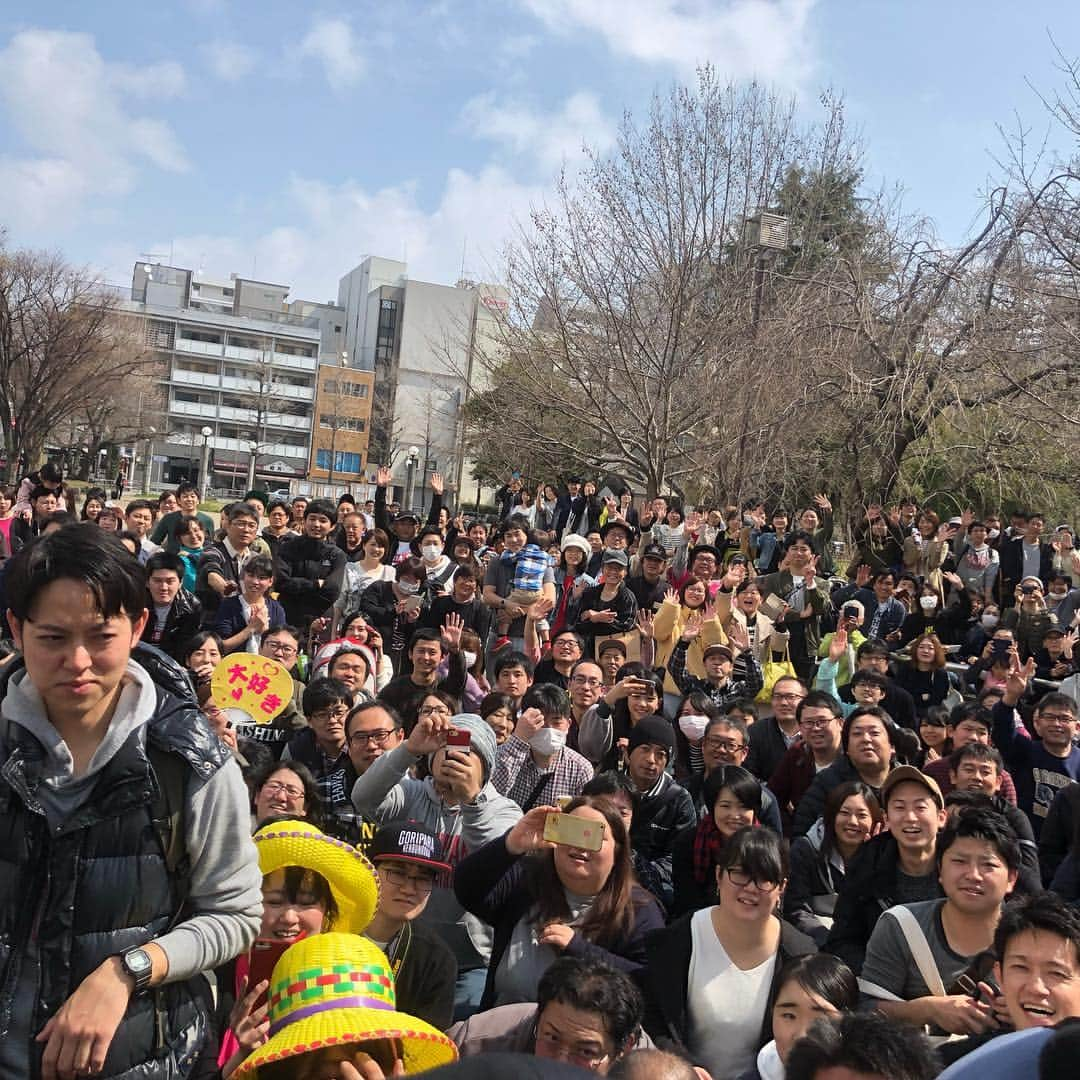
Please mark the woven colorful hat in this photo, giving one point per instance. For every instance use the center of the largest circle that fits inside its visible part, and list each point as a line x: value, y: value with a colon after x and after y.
x: 349, y: 874
x: 335, y: 989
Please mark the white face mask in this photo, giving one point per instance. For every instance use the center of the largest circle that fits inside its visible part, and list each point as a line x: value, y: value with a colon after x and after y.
x: 993, y: 534
x: 548, y: 741
x: 693, y: 727
x: 989, y: 621
x: 928, y: 603
x: 470, y: 658
x: 409, y: 588
x: 1057, y: 597
x: 431, y: 552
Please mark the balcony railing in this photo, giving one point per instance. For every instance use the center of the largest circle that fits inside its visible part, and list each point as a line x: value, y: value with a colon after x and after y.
x: 204, y: 348
x: 241, y: 416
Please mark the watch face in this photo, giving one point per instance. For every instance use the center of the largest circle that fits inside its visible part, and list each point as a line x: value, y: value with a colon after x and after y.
x: 137, y: 961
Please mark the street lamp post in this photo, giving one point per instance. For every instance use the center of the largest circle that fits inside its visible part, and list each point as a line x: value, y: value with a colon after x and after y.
x: 253, y: 448
x: 204, y: 473
x: 411, y: 459
x: 148, y: 474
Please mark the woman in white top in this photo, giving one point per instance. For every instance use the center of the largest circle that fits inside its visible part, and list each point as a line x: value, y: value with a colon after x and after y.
x: 711, y: 975
x: 359, y: 575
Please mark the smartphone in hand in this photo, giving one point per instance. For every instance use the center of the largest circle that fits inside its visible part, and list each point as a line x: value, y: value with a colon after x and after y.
x: 459, y: 740
x: 571, y: 831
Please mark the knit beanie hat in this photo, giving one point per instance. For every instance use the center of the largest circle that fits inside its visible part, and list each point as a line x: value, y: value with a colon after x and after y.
x: 482, y: 739
x: 653, y: 731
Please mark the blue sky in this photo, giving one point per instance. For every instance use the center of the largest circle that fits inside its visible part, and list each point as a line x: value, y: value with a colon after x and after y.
x: 289, y: 141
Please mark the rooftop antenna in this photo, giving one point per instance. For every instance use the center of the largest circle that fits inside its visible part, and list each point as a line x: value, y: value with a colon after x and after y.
x: 149, y: 259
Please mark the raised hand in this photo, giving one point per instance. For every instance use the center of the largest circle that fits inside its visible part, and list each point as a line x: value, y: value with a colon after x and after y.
x: 733, y: 576
x: 528, y: 724
x: 1016, y: 683
x: 428, y: 735
x: 822, y: 502
x: 738, y: 636
x: 383, y: 476
x: 671, y: 596
x: 645, y: 623
x: 810, y: 571
x: 451, y: 631
x: 863, y: 575
x: 250, y: 1025
x: 694, y: 626
x: 838, y: 645
x: 436, y: 483
x: 528, y: 834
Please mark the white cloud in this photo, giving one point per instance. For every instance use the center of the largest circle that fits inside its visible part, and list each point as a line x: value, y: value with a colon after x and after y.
x: 550, y: 139
x: 229, y: 60
x: 333, y: 44
x: 741, y: 38
x: 164, y: 80
x: 331, y: 227
x: 84, y: 119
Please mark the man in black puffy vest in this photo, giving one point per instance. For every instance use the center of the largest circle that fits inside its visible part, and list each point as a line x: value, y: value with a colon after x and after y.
x: 126, y: 866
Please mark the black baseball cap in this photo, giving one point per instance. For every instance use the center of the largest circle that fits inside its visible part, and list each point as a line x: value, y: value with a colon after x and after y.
x: 653, y: 551
x: 408, y: 842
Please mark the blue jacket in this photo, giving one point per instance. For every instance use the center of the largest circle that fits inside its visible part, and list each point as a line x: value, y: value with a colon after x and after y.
x: 230, y: 617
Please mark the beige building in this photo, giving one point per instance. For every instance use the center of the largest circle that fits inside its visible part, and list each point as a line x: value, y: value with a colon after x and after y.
x: 342, y: 428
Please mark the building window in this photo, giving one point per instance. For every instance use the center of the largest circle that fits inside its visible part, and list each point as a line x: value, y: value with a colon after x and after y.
x: 386, y: 332
x: 345, y: 389
x: 191, y: 395
x: 343, y: 461
x: 344, y: 423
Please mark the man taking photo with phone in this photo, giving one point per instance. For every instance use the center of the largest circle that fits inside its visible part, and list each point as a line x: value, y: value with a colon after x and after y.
x: 460, y: 805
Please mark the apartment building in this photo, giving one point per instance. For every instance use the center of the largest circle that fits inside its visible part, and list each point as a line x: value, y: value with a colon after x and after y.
x: 239, y: 371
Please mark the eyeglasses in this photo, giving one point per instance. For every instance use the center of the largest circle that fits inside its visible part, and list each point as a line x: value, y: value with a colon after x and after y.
x: 814, y: 725
x: 400, y: 879
x: 553, y: 1048
x: 740, y: 879
x: 281, y: 647
x: 725, y: 746
x: 1061, y: 718
x: 787, y: 697
x: 434, y: 710
x: 330, y: 714
x: 379, y: 738
x: 582, y: 680
x: 276, y: 787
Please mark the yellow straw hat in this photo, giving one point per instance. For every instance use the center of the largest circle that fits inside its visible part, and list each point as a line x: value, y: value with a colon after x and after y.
x: 336, y: 989
x: 350, y: 875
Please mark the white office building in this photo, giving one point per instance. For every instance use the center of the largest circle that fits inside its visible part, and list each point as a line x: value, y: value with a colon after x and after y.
x: 421, y: 341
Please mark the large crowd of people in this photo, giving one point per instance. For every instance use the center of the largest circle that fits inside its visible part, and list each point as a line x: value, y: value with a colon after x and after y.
x: 595, y: 784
